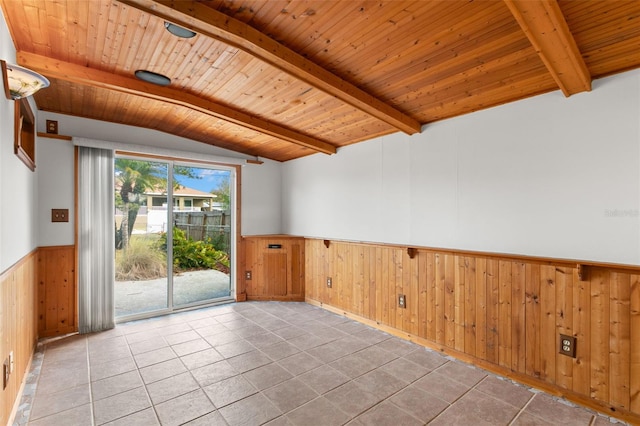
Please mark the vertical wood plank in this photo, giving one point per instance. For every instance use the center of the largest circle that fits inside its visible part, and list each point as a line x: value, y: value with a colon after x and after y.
x: 634, y: 349
x: 366, y: 280
x: 411, y: 318
x: 581, y: 318
x: 423, y: 294
x: 564, y: 324
x: 481, y: 308
x: 470, y: 306
x: 386, y: 272
x: 620, y: 333
x: 518, y: 311
x: 532, y: 320
x: 449, y: 300
x: 548, y: 338
x: 505, y: 320
x: 599, y: 329
x: 460, y: 293
x: 402, y: 279
x: 431, y: 296
x: 493, y: 313
x: 379, y: 286
x: 440, y: 298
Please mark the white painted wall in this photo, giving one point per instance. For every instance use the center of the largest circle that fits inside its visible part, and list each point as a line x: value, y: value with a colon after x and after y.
x: 18, y: 188
x: 56, y: 191
x: 546, y: 176
x: 261, y: 198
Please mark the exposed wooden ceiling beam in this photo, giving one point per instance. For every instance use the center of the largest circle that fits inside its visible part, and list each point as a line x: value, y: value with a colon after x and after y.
x: 211, y: 23
x: 91, y: 77
x: 545, y: 26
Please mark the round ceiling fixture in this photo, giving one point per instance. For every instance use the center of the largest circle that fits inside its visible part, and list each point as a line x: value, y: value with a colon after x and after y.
x: 153, y: 77
x: 178, y: 31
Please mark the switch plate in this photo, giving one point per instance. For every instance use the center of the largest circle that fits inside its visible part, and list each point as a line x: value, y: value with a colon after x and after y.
x: 567, y: 345
x: 247, y: 275
x: 59, y: 215
x: 329, y: 282
x: 402, y: 301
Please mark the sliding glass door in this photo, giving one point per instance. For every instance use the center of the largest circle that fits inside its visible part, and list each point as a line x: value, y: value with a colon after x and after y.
x: 174, y: 228
x: 201, y: 234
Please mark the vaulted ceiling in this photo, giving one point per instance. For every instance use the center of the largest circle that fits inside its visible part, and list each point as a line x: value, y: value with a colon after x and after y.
x: 282, y: 79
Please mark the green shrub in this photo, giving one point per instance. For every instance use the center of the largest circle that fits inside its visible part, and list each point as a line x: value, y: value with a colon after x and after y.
x: 189, y: 254
x: 141, y: 260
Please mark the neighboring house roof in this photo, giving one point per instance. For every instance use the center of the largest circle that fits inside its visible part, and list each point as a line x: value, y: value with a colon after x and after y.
x: 183, y: 191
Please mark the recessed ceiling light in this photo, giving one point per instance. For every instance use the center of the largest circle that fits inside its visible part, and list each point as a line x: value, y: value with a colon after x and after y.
x: 153, y: 77
x: 178, y: 31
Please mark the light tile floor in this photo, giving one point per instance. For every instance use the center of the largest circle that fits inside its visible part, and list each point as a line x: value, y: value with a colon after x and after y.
x: 253, y: 363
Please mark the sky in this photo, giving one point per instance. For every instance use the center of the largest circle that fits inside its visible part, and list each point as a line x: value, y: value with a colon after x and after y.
x: 208, y: 179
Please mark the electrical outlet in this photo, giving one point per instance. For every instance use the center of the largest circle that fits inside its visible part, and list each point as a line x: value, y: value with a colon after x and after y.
x: 568, y: 345
x: 402, y: 301
x: 329, y: 282
x: 247, y: 275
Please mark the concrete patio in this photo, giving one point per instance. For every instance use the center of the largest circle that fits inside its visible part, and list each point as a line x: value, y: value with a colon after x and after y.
x: 134, y: 297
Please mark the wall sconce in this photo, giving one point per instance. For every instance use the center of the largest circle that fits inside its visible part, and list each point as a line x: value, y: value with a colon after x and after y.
x: 20, y: 82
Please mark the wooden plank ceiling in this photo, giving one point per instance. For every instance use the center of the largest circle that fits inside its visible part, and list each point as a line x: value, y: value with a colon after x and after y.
x: 282, y: 79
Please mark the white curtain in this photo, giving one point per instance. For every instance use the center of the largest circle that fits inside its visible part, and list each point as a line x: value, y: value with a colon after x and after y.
x: 96, y: 274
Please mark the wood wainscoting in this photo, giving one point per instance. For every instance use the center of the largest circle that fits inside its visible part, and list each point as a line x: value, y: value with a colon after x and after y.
x: 18, y: 326
x: 503, y: 313
x: 273, y: 268
x: 57, y: 293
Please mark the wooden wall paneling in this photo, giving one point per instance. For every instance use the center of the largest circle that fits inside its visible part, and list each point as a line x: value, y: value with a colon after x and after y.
x: 432, y: 299
x: 379, y: 284
x: 493, y: 303
x: 402, y: 287
x: 581, y: 321
x: 276, y: 274
x: 310, y: 268
x: 297, y: 269
x: 634, y: 347
x: 57, y: 292
x: 504, y: 319
x: 449, y: 300
x: 532, y: 320
x: 459, y: 302
x: 439, y: 297
x: 423, y: 294
x: 518, y: 317
x: 599, y: 329
x: 250, y: 265
x: 349, y: 287
x: 548, y: 334
x: 18, y: 326
x: 385, y: 272
x: 564, y: 324
x: 392, y: 291
x: 470, y: 305
x: 320, y: 287
x: 481, y: 308
x: 414, y: 294
x: 620, y: 339
x: 370, y: 282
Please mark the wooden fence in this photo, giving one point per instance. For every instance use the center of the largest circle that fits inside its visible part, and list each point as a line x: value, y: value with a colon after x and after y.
x: 201, y: 226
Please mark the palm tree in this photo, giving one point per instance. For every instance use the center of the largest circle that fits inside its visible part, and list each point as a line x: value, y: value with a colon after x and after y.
x: 133, y: 178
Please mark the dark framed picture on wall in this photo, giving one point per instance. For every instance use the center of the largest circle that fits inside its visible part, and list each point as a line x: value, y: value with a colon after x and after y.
x: 25, y: 136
